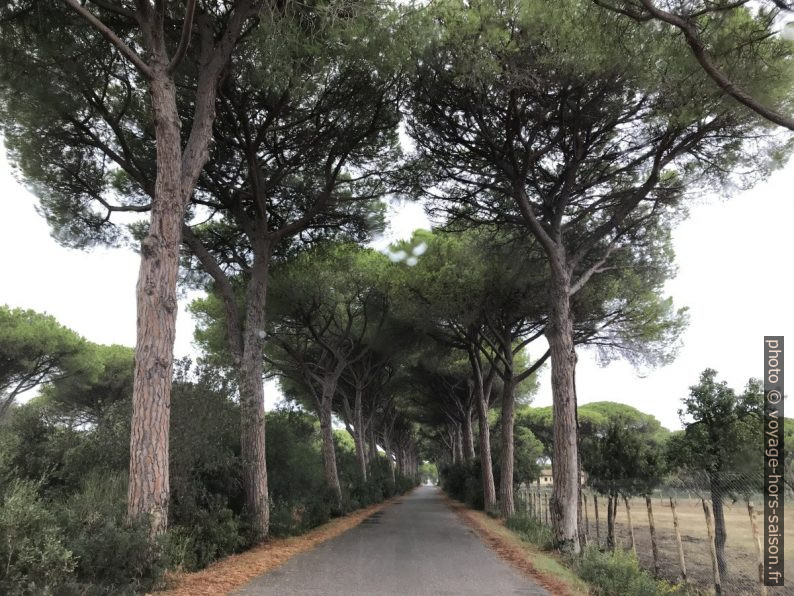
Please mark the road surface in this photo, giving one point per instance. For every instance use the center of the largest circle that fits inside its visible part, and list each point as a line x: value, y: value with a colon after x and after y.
x: 414, y: 547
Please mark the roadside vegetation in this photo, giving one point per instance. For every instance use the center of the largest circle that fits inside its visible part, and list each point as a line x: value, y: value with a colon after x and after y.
x: 63, y: 464
x: 252, y: 152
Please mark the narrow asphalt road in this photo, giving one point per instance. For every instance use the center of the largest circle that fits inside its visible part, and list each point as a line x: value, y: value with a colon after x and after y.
x: 416, y: 546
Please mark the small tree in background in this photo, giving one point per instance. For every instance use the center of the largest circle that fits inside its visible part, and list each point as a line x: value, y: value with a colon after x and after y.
x: 626, y: 460
x: 721, y: 442
x: 36, y: 349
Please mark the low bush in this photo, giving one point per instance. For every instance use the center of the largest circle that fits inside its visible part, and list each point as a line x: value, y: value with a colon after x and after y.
x: 216, y: 532
x: 112, y: 557
x: 616, y: 574
x: 291, y: 516
x: 463, y: 481
x: 34, y: 558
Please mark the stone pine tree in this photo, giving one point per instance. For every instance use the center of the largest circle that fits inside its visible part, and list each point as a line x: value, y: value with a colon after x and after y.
x: 304, y: 100
x: 697, y: 20
x: 623, y: 455
x: 303, y: 133
x: 325, y: 304
x: 125, y: 51
x: 35, y: 349
x: 522, y: 117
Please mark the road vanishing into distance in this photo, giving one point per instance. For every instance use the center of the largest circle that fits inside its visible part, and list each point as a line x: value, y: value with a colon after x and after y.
x: 415, y: 546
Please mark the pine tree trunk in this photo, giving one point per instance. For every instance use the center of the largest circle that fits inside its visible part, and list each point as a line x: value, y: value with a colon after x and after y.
x: 358, y: 421
x: 506, y: 500
x: 486, y: 465
x: 559, y: 333
x: 389, y: 454
x: 468, y: 436
x: 252, y: 396
x: 459, y: 443
x: 372, y: 457
x: 149, y: 492
x: 329, y: 452
x: 453, y: 446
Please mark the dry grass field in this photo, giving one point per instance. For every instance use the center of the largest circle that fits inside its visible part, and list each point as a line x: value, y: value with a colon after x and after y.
x: 742, y: 578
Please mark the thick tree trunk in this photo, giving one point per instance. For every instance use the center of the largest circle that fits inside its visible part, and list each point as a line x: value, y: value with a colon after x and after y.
x: 506, y: 501
x: 389, y: 454
x: 358, y: 421
x: 559, y: 333
x: 453, y: 448
x: 720, y: 534
x: 459, y: 443
x: 486, y: 464
x: 252, y: 396
x: 149, y: 492
x: 329, y: 452
x: 468, y: 436
x: 372, y: 456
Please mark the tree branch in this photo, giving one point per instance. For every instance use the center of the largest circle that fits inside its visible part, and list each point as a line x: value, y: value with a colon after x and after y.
x: 108, y: 34
x: 723, y: 82
x: 184, y: 40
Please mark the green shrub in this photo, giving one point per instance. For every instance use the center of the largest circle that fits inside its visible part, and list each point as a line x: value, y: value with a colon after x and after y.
x: 215, y: 533
x: 463, y: 481
x: 34, y: 557
x: 616, y: 574
x: 112, y: 557
x: 531, y: 530
x: 403, y: 484
x: 294, y: 516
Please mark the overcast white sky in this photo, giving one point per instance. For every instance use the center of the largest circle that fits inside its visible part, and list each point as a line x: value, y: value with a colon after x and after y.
x: 735, y: 275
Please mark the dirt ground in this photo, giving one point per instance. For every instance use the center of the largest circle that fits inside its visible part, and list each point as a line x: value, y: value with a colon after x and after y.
x: 742, y: 577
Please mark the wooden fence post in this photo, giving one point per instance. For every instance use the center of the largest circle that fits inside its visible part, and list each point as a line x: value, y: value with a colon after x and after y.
x: 586, y: 517
x: 598, y: 531
x: 652, y: 526
x: 618, y: 541
x: 546, y: 498
x: 631, y: 526
x: 678, y: 540
x: 758, y: 549
x: 582, y: 530
x: 714, y: 566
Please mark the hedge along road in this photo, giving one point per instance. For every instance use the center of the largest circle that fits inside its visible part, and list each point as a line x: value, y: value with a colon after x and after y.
x: 414, y: 546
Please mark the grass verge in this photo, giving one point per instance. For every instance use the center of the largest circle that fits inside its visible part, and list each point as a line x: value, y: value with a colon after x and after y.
x: 526, y: 545
x: 235, y: 571
x: 545, y: 568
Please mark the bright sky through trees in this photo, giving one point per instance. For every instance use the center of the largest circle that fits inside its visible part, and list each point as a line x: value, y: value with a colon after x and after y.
x: 733, y: 291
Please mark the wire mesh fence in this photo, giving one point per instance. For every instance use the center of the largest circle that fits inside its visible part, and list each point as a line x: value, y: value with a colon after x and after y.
x: 698, y: 530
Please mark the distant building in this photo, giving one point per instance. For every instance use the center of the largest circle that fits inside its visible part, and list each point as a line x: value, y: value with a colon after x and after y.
x: 546, y: 479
